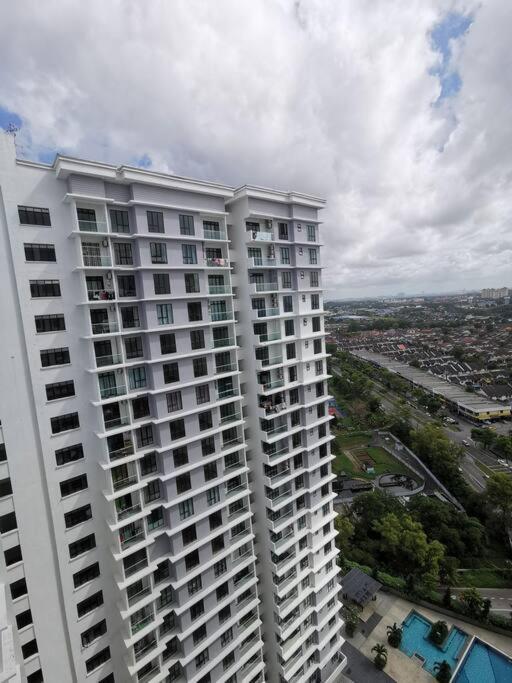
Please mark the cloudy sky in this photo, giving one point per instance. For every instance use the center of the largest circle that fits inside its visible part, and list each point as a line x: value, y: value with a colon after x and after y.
x: 399, y: 112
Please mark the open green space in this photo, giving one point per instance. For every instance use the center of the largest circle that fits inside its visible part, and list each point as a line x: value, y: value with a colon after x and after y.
x: 485, y: 578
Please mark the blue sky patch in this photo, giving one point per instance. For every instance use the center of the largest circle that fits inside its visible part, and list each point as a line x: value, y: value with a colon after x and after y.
x: 8, y: 117
x: 452, y: 27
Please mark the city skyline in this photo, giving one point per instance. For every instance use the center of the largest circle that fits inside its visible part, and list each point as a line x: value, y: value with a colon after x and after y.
x: 396, y: 113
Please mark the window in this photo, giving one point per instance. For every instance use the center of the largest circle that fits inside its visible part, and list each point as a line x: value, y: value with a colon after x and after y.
x: 311, y: 232
x: 286, y: 280
x: 89, y: 604
x: 192, y: 560
x: 140, y: 407
x: 123, y: 254
x: 18, y: 588
x: 31, y: 215
x: 44, y: 288
x: 290, y: 351
x: 195, y: 311
x: 289, y: 328
x: 64, y: 456
x: 24, y: 619
x: 83, y: 545
x: 119, y: 220
x: 158, y: 251
x: 225, y: 613
x: 199, y: 634
x: 183, y: 483
x: 313, y: 256
x: 215, y: 518
x: 161, y: 283
x: 152, y: 491
x: 77, y: 516
x: 285, y: 255
x: 315, y: 301
x: 130, y: 317
x: 167, y: 343
x: 137, y: 377
x: 222, y: 591
x: 226, y: 637
x: 126, y: 286
x: 49, y: 323
x: 51, y: 357
x: 8, y: 522
x: 208, y: 445
x: 210, y: 471
x: 174, y: 401
x: 186, y: 509
x: 86, y: 575
x: 29, y: 649
x: 98, y: 659
x: 194, y: 585
x: 180, y: 456
x: 283, y: 231
x: 60, y: 390
x: 200, y: 367
x: 155, y: 221
x: 93, y: 633
x: 202, y: 394
x: 213, y: 496
x: 316, y: 324
x: 205, y: 420
x: 288, y: 304
x: 202, y: 658
x: 164, y: 314
x: 197, y: 340
x: 313, y: 278
x: 191, y: 283
x: 217, y: 544
x: 145, y: 436
x: 133, y: 347
x: 196, y: 610
x: 189, y: 254
x: 317, y: 346
x: 228, y: 661
x: 177, y: 429
x: 189, y: 535
x: 292, y: 374
x: 186, y: 224
x: 40, y: 252
x: 63, y: 423
x: 171, y: 372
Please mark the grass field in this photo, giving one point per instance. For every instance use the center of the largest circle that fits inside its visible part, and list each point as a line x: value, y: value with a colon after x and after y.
x: 383, y: 461
x: 484, y: 578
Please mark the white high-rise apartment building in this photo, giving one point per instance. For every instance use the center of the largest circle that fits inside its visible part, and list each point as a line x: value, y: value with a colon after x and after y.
x: 166, y: 510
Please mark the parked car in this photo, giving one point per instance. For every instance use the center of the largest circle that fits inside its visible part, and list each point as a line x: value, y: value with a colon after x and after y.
x: 466, y: 442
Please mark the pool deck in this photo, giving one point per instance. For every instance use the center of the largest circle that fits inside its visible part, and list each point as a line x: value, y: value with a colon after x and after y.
x: 400, y: 667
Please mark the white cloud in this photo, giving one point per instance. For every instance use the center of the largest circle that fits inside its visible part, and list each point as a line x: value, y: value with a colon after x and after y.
x: 335, y: 98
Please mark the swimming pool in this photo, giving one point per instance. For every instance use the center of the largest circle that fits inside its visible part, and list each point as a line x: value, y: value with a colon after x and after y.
x: 415, y: 642
x: 484, y: 663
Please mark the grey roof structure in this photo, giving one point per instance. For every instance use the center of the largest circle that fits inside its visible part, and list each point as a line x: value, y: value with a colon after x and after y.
x: 358, y: 587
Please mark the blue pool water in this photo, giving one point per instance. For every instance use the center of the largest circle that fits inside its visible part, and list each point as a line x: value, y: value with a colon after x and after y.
x: 484, y: 664
x: 415, y: 640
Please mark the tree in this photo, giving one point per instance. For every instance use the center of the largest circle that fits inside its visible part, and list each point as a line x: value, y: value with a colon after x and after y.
x: 499, y: 495
x: 381, y: 655
x: 345, y: 530
x: 485, y: 436
x: 438, y: 632
x: 486, y: 608
x: 447, y: 597
x: 351, y: 620
x: 443, y: 671
x: 394, y: 635
x: 472, y: 602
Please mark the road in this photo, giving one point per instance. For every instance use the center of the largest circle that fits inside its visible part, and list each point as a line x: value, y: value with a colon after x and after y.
x: 501, y: 598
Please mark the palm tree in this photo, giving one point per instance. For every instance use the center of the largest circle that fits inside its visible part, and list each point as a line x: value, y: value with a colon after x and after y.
x: 381, y: 655
x: 438, y: 632
x: 394, y: 635
x: 443, y: 671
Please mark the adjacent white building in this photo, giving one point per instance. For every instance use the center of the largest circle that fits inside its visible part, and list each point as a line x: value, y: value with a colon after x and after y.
x: 166, y: 510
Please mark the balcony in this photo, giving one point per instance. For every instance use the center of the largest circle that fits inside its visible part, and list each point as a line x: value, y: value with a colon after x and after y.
x: 275, y: 384
x: 260, y: 235
x: 105, y: 328
x: 123, y: 452
x: 214, y: 234
x: 269, y: 336
x: 126, y: 540
x: 96, y: 261
x: 132, y: 599
x: 139, y: 625
x: 109, y: 392
x: 261, y: 262
x: 110, y: 359
x: 92, y: 226
x: 235, y: 489
x: 232, y: 417
x: 218, y: 316
x: 217, y: 262
x: 270, y: 360
x: 219, y: 289
x: 128, y: 512
x: 225, y: 341
x: 119, y: 421
x: 277, y: 429
x: 271, y: 408
x: 266, y: 312
x: 231, y: 443
x: 135, y: 567
x: 226, y: 393
x: 266, y: 286
x: 277, y: 453
x: 139, y: 654
x: 118, y: 484
x: 229, y: 367
x: 101, y: 294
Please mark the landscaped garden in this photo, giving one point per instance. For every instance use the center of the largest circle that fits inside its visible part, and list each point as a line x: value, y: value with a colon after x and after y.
x: 356, y: 458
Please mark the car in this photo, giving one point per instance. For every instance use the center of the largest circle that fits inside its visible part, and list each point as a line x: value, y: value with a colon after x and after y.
x: 465, y: 442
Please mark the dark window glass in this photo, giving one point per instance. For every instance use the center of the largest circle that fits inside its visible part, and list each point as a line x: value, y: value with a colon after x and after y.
x: 210, y: 471
x: 123, y: 254
x: 202, y: 394
x: 200, y: 367
x: 161, y: 283
x: 89, y: 604
x: 287, y: 304
x: 73, y: 485
x: 289, y: 328
x: 8, y: 522
x: 145, y: 436
x: 18, y: 588
x: 158, y: 251
x: 69, y: 454
x: 119, y: 220
x: 315, y: 301
x: 316, y: 324
x: 24, y: 619
x: 86, y: 575
x: 60, y: 390
x: 180, y: 456
x: 192, y: 560
x: 98, y: 659
x: 50, y: 323
x: 5, y: 487
x: 63, y: 423
x: 177, y: 429
x: 195, y: 311
x: 189, y: 254
x: 197, y: 340
x: 40, y: 252
x: 13, y: 555
x: 32, y: 215
x: 290, y: 351
x: 126, y: 286
x: 183, y: 483
x: 83, y: 545
x: 93, y: 633
x: 44, y: 288
x: 191, y: 283
x: 148, y: 464
x: 186, y: 225
x: 133, y: 347
x: 171, y: 372
x: 29, y: 649
x: 205, y: 420
x: 189, y: 535
x: 54, y: 357
x: 77, y: 516
x: 140, y: 407
x: 208, y: 445
x: 155, y: 221
x: 167, y: 343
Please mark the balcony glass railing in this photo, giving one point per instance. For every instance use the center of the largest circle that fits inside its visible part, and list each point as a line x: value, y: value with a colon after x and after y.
x: 104, y: 328
x: 260, y: 236
x: 115, y: 422
x: 273, y: 385
x: 214, y: 234
x: 230, y: 418
x: 267, y: 312
x: 270, y: 336
x: 139, y: 654
x: 92, y: 226
x: 139, y: 625
x: 234, y: 490
x: 274, y: 408
x: 279, y: 429
x: 261, y: 262
x: 267, y: 286
x: 217, y: 316
x: 132, y: 599
x: 217, y: 262
x: 272, y: 360
x: 219, y: 289
x: 278, y: 453
x: 101, y: 294
x: 118, y: 484
x: 231, y: 443
x: 226, y: 393
x: 127, y: 541
x: 97, y: 261
x: 111, y: 359
x: 226, y: 341
x: 229, y: 367
x: 135, y: 567
x: 109, y: 392
x: 121, y: 452
x: 128, y: 512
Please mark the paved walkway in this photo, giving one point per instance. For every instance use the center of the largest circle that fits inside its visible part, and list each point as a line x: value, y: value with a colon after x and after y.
x: 360, y: 669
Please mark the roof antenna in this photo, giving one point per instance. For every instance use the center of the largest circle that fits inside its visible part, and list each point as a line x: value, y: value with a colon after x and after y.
x: 12, y: 129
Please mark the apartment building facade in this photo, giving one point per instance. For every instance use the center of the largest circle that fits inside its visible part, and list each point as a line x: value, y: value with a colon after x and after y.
x: 166, y: 502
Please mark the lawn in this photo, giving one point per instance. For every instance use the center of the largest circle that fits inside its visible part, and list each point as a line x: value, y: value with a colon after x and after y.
x: 485, y: 578
x: 383, y: 461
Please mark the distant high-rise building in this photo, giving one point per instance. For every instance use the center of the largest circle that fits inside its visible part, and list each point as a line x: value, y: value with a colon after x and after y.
x: 494, y: 294
x: 166, y: 507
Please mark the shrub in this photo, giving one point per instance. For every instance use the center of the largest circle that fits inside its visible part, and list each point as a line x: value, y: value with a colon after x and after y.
x: 438, y: 632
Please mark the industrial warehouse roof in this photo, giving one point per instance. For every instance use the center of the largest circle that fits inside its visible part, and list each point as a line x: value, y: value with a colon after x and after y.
x: 432, y: 383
